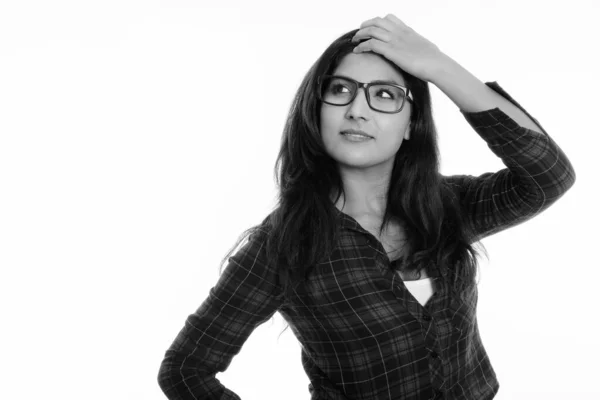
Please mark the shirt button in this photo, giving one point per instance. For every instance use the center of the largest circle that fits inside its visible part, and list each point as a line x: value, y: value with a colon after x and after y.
x: 426, y: 317
x: 434, y: 354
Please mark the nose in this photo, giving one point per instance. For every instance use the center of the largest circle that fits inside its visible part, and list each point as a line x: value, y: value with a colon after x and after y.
x: 359, y: 107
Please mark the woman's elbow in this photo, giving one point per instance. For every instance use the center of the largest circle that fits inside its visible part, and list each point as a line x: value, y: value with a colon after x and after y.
x: 165, y: 377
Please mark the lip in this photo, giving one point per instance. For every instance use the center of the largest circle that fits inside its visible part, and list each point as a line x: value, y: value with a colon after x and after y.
x: 356, y: 132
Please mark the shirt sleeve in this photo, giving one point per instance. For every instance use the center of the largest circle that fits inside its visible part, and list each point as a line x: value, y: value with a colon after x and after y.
x: 246, y: 295
x: 537, y: 173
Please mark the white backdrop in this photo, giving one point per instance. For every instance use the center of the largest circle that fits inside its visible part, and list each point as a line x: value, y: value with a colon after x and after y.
x: 127, y: 172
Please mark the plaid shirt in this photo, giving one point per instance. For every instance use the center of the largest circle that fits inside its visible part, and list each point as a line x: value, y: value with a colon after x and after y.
x: 363, y: 334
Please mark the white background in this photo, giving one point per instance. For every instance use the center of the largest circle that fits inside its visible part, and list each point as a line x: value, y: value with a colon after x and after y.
x: 127, y: 172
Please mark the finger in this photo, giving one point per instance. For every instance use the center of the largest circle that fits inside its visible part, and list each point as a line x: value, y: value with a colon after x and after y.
x: 374, y: 45
x: 372, y: 32
x: 396, y: 20
x: 379, y: 22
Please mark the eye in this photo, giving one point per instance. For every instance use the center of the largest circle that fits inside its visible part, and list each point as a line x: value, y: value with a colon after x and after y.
x: 337, y: 88
x: 387, y: 92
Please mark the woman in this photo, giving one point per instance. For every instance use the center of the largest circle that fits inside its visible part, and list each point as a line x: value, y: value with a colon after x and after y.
x: 369, y: 255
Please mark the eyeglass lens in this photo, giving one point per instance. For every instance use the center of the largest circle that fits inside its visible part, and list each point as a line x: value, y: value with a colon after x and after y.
x: 339, y: 91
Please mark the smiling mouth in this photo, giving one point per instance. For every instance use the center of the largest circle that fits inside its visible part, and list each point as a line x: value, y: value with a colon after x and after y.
x: 352, y: 135
x: 356, y: 138
x: 355, y: 133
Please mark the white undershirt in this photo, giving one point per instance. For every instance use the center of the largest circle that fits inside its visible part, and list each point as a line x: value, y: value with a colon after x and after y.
x: 421, y: 289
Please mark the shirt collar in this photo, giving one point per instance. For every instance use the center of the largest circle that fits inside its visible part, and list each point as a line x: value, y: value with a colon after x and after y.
x: 347, y: 221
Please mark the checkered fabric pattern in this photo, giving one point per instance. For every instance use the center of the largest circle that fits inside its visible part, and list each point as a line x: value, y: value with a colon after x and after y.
x: 363, y: 335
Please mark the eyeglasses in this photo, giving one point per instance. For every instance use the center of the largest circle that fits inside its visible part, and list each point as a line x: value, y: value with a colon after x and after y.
x: 383, y: 97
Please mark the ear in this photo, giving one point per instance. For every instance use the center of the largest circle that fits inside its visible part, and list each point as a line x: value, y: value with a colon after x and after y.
x: 407, y: 132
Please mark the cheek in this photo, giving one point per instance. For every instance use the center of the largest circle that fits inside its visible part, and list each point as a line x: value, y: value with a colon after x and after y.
x: 395, y: 129
x: 329, y: 122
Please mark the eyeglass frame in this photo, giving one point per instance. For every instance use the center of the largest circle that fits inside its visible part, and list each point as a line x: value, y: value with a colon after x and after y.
x: 366, y: 86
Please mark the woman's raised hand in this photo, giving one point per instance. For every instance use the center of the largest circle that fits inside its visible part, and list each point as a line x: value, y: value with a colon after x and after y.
x: 400, y: 44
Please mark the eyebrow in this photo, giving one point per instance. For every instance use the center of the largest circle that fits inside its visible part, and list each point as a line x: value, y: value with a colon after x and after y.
x: 383, y: 81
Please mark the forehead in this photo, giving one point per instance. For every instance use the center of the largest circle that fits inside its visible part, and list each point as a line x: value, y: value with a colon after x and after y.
x: 367, y: 67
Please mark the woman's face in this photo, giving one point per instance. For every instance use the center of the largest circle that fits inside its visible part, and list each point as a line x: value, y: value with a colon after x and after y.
x: 388, y: 130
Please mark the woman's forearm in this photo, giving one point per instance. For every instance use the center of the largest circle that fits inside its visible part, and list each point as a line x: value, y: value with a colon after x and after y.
x: 472, y: 95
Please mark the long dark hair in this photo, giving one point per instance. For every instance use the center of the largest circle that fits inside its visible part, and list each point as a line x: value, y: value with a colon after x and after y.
x: 303, y: 229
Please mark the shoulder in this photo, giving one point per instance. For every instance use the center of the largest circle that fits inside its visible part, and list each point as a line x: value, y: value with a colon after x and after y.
x: 261, y: 231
